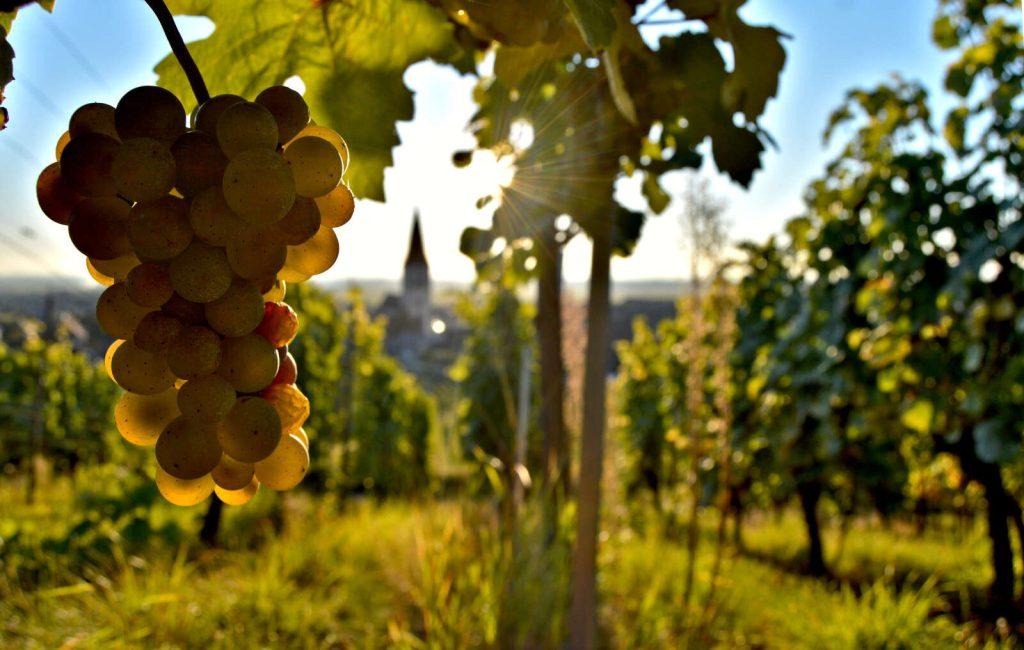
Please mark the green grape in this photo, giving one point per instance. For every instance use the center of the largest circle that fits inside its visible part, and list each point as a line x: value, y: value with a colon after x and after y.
x: 116, y: 313
x: 201, y: 273
x: 195, y: 353
x: 117, y: 268
x: 251, y: 430
x: 99, y: 228
x: 248, y: 362
x: 62, y: 142
x: 336, y: 207
x: 301, y: 223
x: 181, y: 492
x: 104, y: 280
x: 338, y: 142
x: 207, y: 398
x: 139, y: 371
x: 86, y: 164
x: 187, y: 448
x: 93, y: 118
x: 188, y: 312
x: 143, y: 169
x: 316, y: 255
x: 212, y: 219
x: 210, y: 111
x: 159, y: 230
x: 56, y: 198
x: 238, y: 311
x: 291, y: 405
x: 288, y: 108
x: 258, y: 186
x: 199, y: 162
x: 141, y: 418
x: 276, y: 292
x: 245, y: 126
x: 286, y: 466
x: 150, y: 112
x: 255, y: 255
x: 232, y: 474
x: 156, y: 331
x: 316, y: 165
x: 238, y: 497
x: 149, y: 285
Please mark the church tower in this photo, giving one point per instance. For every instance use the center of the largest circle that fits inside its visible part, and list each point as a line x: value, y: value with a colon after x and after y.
x: 416, y: 282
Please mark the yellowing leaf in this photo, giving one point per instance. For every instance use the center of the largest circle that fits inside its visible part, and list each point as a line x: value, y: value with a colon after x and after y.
x: 919, y: 416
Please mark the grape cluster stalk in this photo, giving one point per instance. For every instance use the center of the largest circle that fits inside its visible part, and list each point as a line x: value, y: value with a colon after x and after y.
x: 196, y: 231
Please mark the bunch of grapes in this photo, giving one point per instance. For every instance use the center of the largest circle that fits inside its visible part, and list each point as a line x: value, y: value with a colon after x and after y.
x: 195, y: 232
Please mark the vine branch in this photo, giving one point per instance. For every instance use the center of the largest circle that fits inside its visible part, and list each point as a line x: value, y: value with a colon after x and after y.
x: 180, y: 50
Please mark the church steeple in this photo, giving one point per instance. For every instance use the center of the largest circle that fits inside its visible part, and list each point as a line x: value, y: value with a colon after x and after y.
x: 416, y: 254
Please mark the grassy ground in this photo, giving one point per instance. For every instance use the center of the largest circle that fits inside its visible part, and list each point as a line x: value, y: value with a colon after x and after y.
x: 305, y: 573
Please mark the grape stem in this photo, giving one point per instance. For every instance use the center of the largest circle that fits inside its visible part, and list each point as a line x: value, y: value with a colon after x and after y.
x: 180, y: 50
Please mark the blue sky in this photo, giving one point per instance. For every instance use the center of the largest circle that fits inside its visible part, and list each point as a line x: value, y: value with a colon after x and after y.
x: 95, y: 50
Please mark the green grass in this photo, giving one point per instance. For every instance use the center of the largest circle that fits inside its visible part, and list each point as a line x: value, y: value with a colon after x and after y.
x: 450, y: 575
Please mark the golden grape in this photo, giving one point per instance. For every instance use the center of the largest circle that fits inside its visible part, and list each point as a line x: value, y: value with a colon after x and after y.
x: 258, y: 186
x: 199, y: 162
x: 139, y: 371
x: 143, y: 169
x: 116, y: 313
x: 65, y: 138
x: 149, y: 285
x: 291, y: 405
x: 248, y: 362
x: 156, y: 331
x: 276, y: 292
x: 187, y: 448
x: 303, y: 436
x: 288, y: 108
x: 212, y: 219
x: 315, y: 256
x: 207, y: 398
x: 99, y: 228
x: 232, y: 474
x: 251, y: 430
x: 86, y: 164
x: 104, y: 280
x: 296, y: 227
x: 93, y: 118
x: 108, y: 358
x: 238, y: 311
x: 337, y: 206
x: 338, y: 142
x: 194, y: 353
x: 255, y: 255
x: 245, y: 126
x: 182, y: 492
x: 159, y: 230
x: 55, y: 196
x: 117, y: 268
x: 238, y: 497
x: 286, y: 466
x: 315, y: 164
x: 149, y: 112
x: 141, y: 418
x: 210, y: 111
x: 201, y: 273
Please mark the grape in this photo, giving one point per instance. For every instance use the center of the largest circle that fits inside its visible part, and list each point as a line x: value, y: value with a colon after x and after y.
x: 181, y: 492
x: 315, y: 256
x: 104, y: 280
x: 248, y: 362
x: 139, y: 371
x: 143, y: 169
x: 276, y: 292
x: 212, y: 219
x: 287, y: 373
x: 286, y: 466
x: 251, y: 430
x: 207, y: 398
x: 238, y: 497
x: 199, y: 161
x: 301, y: 223
x: 55, y: 196
x: 331, y: 136
x: 303, y: 436
x: 117, y: 268
x: 188, y: 312
x: 116, y: 313
x: 254, y: 255
x: 93, y: 118
x: 288, y: 108
x: 86, y: 164
x: 141, y: 418
x: 336, y: 207
x: 289, y: 402
x: 99, y: 228
x: 279, y: 324
x: 159, y: 230
x: 188, y: 449
x: 201, y: 273
x: 108, y: 357
x: 149, y: 285
x: 195, y: 353
x: 291, y: 274
x: 245, y: 126
x: 156, y: 331
x: 65, y: 138
x: 232, y: 474
x: 210, y: 111
x: 258, y: 186
x: 238, y: 311
x: 150, y: 112
x: 315, y: 164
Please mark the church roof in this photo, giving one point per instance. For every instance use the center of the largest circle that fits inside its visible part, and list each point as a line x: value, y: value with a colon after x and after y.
x: 416, y: 254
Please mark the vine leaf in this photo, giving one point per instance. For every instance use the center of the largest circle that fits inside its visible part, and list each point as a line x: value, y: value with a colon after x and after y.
x: 8, y: 11
x: 344, y: 52
x: 596, y: 20
x: 759, y: 60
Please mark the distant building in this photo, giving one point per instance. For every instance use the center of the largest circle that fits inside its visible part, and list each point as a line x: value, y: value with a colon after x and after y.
x: 423, y: 336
